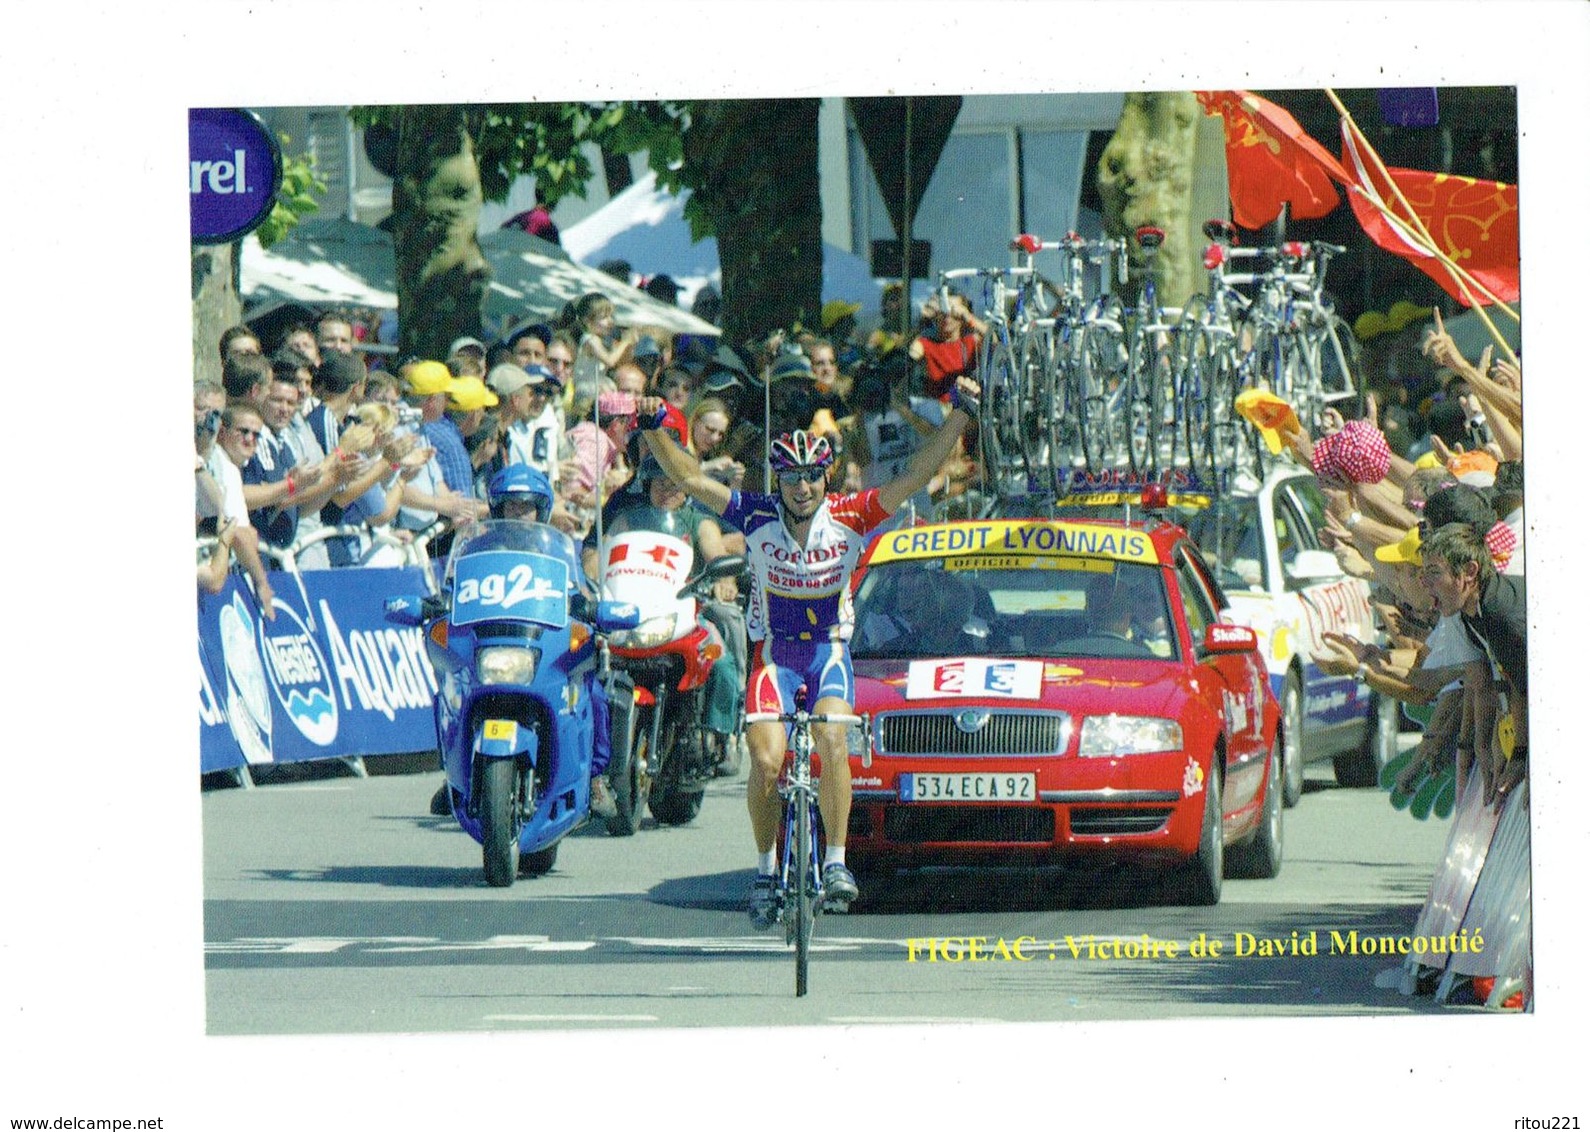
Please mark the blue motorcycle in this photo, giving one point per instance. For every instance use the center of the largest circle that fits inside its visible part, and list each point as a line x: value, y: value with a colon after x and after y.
x: 527, y: 701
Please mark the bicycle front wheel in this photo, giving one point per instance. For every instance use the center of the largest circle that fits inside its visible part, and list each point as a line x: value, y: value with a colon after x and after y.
x: 802, y: 902
x: 1098, y: 397
x: 1150, y: 401
x: 1035, y: 406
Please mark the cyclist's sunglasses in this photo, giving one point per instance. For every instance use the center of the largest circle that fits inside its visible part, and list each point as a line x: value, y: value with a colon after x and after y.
x: 801, y: 475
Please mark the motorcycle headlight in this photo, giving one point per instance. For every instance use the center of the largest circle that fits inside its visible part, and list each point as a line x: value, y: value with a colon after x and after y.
x: 648, y: 634
x: 506, y: 664
x: 1105, y: 736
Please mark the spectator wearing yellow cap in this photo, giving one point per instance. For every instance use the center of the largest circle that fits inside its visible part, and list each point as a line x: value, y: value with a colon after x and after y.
x: 433, y: 492
x: 428, y: 381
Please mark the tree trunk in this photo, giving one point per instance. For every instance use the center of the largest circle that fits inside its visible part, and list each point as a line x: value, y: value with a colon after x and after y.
x: 216, y: 305
x: 758, y: 159
x: 1145, y: 176
x: 441, y: 273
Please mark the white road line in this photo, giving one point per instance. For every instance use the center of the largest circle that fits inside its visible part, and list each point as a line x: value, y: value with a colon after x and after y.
x: 771, y: 942
x: 571, y: 1018
x: 500, y: 943
x: 905, y: 1020
x: 319, y: 944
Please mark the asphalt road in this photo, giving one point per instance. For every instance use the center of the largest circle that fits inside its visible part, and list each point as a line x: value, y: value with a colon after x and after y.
x: 338, y: 905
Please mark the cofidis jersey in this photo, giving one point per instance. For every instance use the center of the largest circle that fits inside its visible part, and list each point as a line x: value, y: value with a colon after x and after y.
x: 800, y: 593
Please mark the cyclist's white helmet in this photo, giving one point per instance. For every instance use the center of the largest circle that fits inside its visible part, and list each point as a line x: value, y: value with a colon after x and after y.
x: 801, y: 449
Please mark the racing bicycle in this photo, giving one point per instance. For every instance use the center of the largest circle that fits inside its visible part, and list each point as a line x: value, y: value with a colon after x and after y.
x: 800, y: 875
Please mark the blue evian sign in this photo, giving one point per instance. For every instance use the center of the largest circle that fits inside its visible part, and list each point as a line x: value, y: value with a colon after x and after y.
x: 234, y: 174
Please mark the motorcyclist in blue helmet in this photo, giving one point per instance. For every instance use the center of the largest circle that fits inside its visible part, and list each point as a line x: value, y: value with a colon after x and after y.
x: 520, y: 492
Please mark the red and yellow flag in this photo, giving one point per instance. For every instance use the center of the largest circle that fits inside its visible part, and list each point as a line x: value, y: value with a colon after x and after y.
x: 1473, y: 222
x: 1271, y: 161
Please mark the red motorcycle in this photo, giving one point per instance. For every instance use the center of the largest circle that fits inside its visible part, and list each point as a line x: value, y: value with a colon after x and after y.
x: 668, y: 655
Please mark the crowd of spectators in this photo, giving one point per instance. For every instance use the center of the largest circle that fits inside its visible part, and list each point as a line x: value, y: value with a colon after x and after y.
x: 1426, y: 502
x: 337, y: 455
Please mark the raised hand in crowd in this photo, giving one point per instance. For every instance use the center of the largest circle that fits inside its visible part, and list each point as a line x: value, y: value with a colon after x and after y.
x: 1508, y: 375
x: 213, y: 570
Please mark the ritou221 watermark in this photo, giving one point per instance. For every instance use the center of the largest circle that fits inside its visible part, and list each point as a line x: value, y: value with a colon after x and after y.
x: 1549, y: 1122
x: 1241, y: 945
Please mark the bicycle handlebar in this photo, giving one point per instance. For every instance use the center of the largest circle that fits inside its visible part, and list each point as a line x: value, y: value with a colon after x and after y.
x: 982, y: 272
x: 799, y: 716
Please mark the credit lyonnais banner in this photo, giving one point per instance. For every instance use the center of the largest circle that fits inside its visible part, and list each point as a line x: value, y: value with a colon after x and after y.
x: 326, y: 679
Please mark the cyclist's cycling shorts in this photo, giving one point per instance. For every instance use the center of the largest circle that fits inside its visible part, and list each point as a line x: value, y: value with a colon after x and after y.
x: 779, y: 668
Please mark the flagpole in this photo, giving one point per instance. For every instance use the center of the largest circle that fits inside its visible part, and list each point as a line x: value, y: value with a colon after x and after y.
x: 1461, y: 277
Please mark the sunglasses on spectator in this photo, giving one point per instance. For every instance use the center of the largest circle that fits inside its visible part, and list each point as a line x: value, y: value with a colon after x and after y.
x: 801, y: 475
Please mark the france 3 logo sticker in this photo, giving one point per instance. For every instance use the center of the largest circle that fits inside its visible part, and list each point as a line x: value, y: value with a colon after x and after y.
x: 970, y: 676
x: 299, y: 675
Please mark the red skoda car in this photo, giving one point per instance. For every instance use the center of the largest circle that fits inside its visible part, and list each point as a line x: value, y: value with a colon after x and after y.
x: 1048, y: 689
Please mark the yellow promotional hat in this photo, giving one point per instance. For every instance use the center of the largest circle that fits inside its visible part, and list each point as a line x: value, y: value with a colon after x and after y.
x: 469, y: 394
x: 1269, y: 414
x: 1404, y: 551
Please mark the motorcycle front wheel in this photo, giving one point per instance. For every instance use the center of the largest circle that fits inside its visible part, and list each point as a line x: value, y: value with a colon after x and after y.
x: 670, y: 803
x: 499, y: 821
x: 627, y: 753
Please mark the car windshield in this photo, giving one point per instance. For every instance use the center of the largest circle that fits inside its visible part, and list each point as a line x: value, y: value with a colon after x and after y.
x: 1232, y: 541
x: 1036, y: 608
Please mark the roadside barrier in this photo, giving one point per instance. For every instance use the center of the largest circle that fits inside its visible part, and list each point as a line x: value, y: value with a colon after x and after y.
x: 328, y: 678
x: 1482, y: 888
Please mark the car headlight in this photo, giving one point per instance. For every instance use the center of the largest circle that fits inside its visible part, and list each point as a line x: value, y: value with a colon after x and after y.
x: 506, y: 664
x: 1105, y: 736
x: 649, y: 633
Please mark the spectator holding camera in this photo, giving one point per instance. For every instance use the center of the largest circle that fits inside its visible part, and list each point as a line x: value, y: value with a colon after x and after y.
x: 952, y: 350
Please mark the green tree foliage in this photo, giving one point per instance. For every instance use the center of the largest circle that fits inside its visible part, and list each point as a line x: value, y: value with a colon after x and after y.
x: 751, y: 166
x: 300, y: 187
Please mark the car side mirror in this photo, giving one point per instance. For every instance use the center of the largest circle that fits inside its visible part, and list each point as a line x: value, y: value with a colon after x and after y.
x: 1313, y: 566
x: 1223, y: 638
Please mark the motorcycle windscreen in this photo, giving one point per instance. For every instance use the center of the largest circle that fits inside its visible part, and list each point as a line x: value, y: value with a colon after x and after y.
x: 646, y: 568
x: 510, y: 571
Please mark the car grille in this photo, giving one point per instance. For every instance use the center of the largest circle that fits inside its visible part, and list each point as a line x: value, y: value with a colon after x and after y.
x: 1097, y: 821
x: 1005, y: 733
x: 909, y: 824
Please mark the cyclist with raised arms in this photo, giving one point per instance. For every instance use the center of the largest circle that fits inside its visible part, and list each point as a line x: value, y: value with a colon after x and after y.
x: 802, y: 544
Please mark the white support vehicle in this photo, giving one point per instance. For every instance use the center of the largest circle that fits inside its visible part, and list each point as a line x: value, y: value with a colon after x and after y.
x: 1287, y: 587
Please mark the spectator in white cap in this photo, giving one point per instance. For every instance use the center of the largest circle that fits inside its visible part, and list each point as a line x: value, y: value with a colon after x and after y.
x: 468, y: 343
x: 530, y: 423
